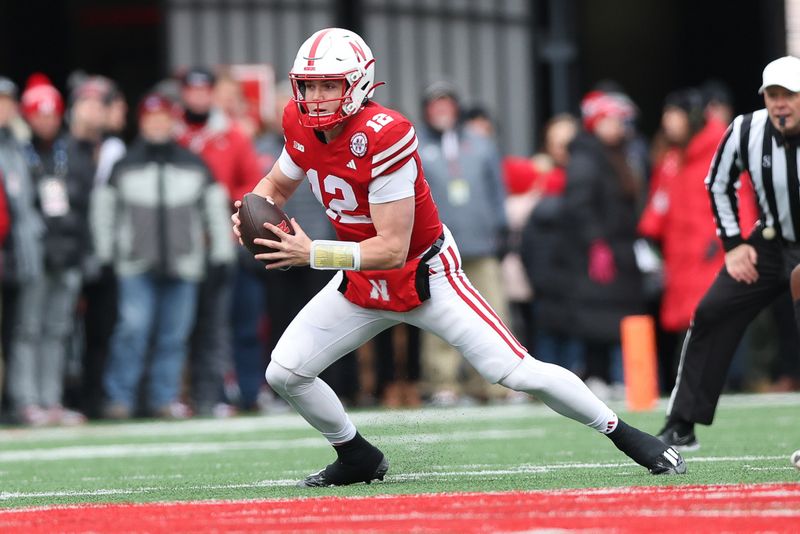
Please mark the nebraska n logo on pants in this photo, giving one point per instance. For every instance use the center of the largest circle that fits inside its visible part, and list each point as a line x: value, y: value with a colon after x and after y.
x: 379, y: 290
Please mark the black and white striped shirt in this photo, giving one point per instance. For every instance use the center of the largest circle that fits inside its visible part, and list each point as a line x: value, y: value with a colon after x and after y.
x: 753, y: 144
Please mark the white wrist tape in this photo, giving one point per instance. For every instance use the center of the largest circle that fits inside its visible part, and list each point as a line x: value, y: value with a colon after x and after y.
x: 339, y: 255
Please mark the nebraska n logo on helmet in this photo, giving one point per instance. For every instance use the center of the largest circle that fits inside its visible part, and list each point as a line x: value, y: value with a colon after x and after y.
x: 333, y: 54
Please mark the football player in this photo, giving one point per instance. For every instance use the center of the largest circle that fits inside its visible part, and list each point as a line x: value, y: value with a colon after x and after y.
x: 395, y: 262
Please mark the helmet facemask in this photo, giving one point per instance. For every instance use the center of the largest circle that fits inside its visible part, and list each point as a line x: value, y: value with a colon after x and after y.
x: 311, y: 115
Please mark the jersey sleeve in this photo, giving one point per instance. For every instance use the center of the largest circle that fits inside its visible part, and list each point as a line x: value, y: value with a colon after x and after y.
x: 395, y: 148
x: 394, y: 186
x: 289, y: 167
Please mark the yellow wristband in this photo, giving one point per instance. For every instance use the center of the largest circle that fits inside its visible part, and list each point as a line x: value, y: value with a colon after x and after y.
x: 338, y: 255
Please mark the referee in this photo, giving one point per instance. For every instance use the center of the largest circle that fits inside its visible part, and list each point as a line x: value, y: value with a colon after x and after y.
x: 757, y: 270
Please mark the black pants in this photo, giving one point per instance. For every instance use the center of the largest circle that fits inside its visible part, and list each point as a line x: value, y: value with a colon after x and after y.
x: 719, y: 323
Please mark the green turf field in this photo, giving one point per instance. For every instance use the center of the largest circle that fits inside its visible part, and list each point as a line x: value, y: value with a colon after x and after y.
x: 496, y: 448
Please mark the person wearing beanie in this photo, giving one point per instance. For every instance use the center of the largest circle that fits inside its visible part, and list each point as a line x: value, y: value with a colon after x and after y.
x: 160, y: 218
x: 231, y: 156
x: 62, y: 169
x: 88, y: 108
x: 598, y: 232
x: 677, y: 217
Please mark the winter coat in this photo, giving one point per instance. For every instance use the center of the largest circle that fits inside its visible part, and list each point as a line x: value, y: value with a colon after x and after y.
x: 468, y: 189
x: 596, y: 208
x: 162, y: 213
x: 23, y: 251
x: 542, y: 255
x: 678, y: 216
x: 65, y: 212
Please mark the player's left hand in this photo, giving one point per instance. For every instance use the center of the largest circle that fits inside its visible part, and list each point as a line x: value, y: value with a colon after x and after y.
x: 290, y: 251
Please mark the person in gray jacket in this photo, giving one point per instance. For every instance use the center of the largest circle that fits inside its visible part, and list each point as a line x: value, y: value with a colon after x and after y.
x: 463, y: 171
x: 23, y: 251
x: 153, y: 219
x: 62, y: 169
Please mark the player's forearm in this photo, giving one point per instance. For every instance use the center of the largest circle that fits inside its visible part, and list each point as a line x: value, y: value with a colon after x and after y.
x: 268, y: 188
x: 380, y: 253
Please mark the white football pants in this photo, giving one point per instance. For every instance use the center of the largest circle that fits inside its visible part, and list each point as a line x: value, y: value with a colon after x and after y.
x: 330, y: 326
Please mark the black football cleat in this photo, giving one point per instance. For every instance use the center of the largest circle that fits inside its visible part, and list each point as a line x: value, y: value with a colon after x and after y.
x: 679, y: 436
x: 647, y: 451
x: 340, y: 474
x: 669, y: 462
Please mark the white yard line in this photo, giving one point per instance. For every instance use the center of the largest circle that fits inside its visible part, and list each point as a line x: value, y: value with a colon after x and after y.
x: 291, y: 421
x: 722, y: 491
x: 89, y: 452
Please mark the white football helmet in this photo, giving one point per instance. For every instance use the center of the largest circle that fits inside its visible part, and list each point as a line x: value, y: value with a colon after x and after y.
x: 333, y: 54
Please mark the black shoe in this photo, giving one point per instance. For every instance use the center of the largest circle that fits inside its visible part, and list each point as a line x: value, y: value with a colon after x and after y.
x: 339, y: 474
x: 680, y: 436
x: 647, y: 451
x: 357, y: 460
x: 669, y: 462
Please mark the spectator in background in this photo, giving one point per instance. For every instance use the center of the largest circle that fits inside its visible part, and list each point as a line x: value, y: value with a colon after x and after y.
x: 599, y: 230
x: 112, y: 148
x: 23, y: 251
x: 152, y: 220
x: 719, y: 100
x: 63, y: 170
x: 678, y: 216
x: 463, y: 170
x: 5, y: 225
x: 206, y: 131
x: 100, y: 283
x: 543, y: 180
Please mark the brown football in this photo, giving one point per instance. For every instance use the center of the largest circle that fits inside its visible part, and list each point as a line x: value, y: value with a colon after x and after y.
x: 253, y: 213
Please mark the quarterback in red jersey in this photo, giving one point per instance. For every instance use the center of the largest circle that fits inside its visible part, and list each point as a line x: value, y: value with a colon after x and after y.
x: 396, y: 262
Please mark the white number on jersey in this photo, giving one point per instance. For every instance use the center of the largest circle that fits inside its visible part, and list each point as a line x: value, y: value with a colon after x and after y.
x: 379, y: 121
x: 348, y: 202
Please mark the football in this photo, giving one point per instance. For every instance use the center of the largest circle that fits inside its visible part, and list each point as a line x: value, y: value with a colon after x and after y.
x: 253, y: 213
x: 796, y: 459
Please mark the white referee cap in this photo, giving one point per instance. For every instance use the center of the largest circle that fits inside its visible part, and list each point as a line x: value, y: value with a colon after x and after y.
x: 783, y: 71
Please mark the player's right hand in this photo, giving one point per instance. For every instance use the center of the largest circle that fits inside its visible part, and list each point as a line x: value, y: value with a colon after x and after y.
x: 741, y: 263
x: 237, y: 222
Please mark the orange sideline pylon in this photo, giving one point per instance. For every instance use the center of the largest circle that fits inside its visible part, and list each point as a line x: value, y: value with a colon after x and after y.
x: 639, y: 362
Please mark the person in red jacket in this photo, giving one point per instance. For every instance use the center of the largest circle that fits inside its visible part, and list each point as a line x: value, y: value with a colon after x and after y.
x: 678, y: 214
x: 233, y: 161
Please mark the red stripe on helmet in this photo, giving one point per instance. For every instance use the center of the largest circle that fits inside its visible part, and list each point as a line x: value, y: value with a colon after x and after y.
x: 312, y: 53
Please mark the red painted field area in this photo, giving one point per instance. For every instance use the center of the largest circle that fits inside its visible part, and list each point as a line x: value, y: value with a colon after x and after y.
x: 751, y: 508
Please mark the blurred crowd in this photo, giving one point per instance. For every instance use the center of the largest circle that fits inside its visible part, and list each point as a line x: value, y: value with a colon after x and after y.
x: 125, y: 294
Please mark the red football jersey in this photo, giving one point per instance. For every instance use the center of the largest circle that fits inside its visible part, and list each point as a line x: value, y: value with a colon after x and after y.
x: 375, y: 142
